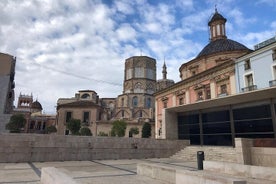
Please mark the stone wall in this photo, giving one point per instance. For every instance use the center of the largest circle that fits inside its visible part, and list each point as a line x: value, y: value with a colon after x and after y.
x: 263, y: 156
x: 39, y: 148
x: 243, y: 148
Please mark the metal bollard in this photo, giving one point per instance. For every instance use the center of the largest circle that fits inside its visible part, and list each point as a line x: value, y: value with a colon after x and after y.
x: 200, y: 158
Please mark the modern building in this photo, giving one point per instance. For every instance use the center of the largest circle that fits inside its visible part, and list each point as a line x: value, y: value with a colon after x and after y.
x: 209, y: 76
x: 7, y: 72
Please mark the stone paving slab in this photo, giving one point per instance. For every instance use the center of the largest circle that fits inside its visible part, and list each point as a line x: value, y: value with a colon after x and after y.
x: 18, y: 173
x: 95, y: 171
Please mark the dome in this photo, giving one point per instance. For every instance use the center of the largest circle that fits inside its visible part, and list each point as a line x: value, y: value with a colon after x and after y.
x: 36, y: 105
x: 221, y: 45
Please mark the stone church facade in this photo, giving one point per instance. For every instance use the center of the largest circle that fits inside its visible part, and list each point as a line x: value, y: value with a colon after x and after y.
x: 136, y: 105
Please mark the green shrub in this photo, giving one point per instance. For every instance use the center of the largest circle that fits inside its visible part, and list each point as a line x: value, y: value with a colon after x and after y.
x: 74, y: 126
x: 146, y: 130
x: 133, y: 131
x: 17, y: 121
x: 51, y: 129
x: 85, y: 131
x: 118, y: 128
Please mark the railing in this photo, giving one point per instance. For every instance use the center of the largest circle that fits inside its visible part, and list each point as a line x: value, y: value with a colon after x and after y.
x: 272, y: 83
x: 249, y: 88
x: 222, y: 94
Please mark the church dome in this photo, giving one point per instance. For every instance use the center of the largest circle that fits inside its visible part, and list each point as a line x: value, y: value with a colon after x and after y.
x: 36, y: 105
x: 221, y: 45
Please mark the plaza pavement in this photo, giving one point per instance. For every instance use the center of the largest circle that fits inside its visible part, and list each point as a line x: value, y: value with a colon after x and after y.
x: 88, y: 172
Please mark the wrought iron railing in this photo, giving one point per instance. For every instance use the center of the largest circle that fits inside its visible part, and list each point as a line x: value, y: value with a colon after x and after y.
x: 272, y: 83
x: 222, y: 94
x: 249, y: 88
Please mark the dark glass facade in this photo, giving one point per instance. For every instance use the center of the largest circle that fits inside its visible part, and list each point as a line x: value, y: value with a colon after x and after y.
x: 253, y: 122
x: 214, y: 128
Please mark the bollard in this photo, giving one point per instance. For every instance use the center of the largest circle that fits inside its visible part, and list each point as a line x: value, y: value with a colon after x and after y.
x: 200, y: 158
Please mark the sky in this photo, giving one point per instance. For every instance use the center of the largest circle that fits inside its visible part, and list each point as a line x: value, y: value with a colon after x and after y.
x: 63, y: 46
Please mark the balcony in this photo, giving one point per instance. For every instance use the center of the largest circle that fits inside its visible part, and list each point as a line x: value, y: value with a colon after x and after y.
x: 272, y: 83
x: 222, y: 95
x: 249, y: 88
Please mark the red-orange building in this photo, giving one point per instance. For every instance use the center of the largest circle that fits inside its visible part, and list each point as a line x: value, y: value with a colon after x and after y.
x: 208, y: 76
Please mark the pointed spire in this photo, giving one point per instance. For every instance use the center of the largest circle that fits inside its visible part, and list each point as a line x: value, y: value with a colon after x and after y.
x: 164, y: 71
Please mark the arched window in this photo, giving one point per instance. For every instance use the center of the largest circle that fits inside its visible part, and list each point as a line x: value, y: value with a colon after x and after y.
x: 135, y: 101
x: 85, y: 96
x: 148, y: 103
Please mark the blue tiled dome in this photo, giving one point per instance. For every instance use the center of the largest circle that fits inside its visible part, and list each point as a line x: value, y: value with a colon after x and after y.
x: 221, y: 45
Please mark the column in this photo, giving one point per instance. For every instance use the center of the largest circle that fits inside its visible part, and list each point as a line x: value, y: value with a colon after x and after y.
x: 273, y: 116
x: 232, y: 125
x: 200, y: 128
x: 213, y: 89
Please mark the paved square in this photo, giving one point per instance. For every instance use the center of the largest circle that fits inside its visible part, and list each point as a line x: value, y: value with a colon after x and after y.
x: 87, y: 172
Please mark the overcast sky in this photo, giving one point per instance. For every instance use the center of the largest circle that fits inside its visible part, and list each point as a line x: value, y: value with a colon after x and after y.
x: 63, y: 46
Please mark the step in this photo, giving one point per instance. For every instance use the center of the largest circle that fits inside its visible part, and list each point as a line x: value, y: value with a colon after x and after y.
x: 210, y: 152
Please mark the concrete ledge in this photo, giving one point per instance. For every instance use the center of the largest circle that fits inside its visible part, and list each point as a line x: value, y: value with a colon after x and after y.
x: 157, y: 171
x: 203, y: 177
x: 250, y: 171
x: 176, y: 175
x: 55, y: 176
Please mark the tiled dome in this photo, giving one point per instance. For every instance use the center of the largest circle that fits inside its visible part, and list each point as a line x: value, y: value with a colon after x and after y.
x: 221, y: 45
x: 216, y: 17
x: 36, y: 105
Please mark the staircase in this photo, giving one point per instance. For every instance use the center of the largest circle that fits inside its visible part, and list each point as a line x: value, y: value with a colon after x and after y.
x: 212, y: 153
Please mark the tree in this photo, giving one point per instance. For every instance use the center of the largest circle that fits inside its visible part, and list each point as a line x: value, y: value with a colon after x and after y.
x: 133, y: 131
x: 51, y: 129
x: 85, y: 131
x: 118, y: 128
x: 146, y: 130
x: 17, y: 121
x: 74, y: 126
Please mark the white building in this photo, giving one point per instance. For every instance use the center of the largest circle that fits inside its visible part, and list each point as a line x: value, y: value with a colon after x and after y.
x: 257, y: 70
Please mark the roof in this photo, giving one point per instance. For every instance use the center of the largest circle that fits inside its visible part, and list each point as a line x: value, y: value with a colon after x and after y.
x: 79, y: 103
x: 216, y: 17
x: 36, y: 105
x: 221, y: 45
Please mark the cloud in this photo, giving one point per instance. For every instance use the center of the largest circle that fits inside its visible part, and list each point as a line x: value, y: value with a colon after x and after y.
x: 239, y: 18
x: 65, y: 46
x: 268, y: 2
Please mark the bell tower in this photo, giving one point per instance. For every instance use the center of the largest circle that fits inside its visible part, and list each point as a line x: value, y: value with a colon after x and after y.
x: 217, y: 26
x: 24, y: 101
